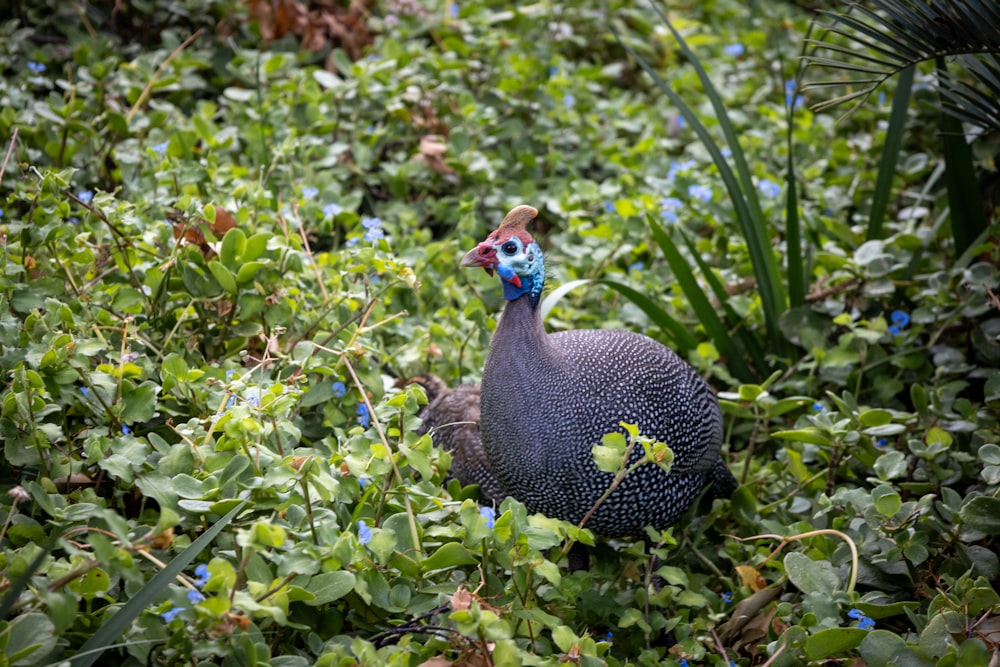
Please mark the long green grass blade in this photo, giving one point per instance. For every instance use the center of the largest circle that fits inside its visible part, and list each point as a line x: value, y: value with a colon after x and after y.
x: 709, y: 319
x: 108, y: 633
x: 683, y: 340
x: 890, y: 152
x: 742, y: 193
x: 968, y: 219
x: 743, y: 337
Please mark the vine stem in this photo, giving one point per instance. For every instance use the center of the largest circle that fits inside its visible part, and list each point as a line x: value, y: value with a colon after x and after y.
x: 411, y: 517
x: 785, y: 541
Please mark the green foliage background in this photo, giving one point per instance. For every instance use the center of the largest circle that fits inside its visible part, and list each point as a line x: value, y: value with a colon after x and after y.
x: 161, y: 376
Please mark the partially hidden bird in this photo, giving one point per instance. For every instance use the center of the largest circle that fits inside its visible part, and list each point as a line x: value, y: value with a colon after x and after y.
x: 452, y: 416
x: 547, y: 399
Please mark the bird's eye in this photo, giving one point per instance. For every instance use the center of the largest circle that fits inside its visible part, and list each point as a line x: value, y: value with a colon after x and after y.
x: 509, y: 248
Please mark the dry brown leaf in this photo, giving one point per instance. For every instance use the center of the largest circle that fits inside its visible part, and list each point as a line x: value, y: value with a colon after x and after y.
x: 431, y: 153
x: 436, y: 661
x: 461, y: 600
x: 750, y: 577
x: 224, y: 221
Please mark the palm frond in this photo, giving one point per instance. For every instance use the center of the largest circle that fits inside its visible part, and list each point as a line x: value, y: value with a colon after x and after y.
x: 863, y: 47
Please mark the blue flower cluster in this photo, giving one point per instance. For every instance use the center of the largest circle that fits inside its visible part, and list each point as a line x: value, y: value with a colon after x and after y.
x: 734, y: 50
x: 769, y: 188
x: 374, y: 227
x: 899, y: 321
x: 669, y: 206
x: 490, y: 515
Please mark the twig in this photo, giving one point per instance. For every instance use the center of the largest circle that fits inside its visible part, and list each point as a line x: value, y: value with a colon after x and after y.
x: 159, y: 72
x: 10, y: 151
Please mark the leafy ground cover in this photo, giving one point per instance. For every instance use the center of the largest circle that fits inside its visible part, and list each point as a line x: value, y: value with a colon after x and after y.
x: 229, y: 228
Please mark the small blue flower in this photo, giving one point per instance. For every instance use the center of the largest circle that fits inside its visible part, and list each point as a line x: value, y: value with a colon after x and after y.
x: 339, y: 389
x: 638, y: 266
x: 609, y: 207
x: 900, y: 318
x: 74, y: 220
x: 85, y: 392
x: 819, y: 407
x: 864, y: 623
x: 168, y: 616
x: 727, y: 597
x: 309, y: 193
x: 371, y: 223
x: 1, y: 212
x: 230, y: 402
x: 351, y: 242
x: 363, y: 482
x: 680, y: 121
x: 734, y: 50
x: 161, y: 148
x: 669, y: 206
x: 126, y: 430
x: 363, y: 417
x: 331, y: 210
x: 727, y: 152
x: 881, y: 99
x: 791, y: 98
x: 553, y: 70
x: 569, y: 101
x: 881, y: 442
x: 86, y: 196
x: 373, y: 235
x: 194, y: 597
x: 769, y: 188
x: 203, y: 576
x: 36, y: 68
x: 490, y: 515
x: 229, y: 373
x: 677, y: 167
x: 253, y: 400
x: 684, y: 663
x: 364, y: 532
x: 702, y: 192
x: 453, y: 10
x: 894, y: 330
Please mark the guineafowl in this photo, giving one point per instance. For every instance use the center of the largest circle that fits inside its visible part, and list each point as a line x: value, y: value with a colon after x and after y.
x: 451, y: 416
x: 547, y: 399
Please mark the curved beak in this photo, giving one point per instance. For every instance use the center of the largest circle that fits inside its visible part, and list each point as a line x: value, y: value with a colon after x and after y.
x: 483, y: 255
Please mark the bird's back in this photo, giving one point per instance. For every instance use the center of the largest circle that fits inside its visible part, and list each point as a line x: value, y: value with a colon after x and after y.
x: 583, y: 384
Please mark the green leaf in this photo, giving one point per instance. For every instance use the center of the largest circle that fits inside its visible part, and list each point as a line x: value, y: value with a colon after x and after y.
x: 834, y: 641
x: 811, y: 435
x: 231, y: 250
x: 139, y: 403
x: 329, y: 586
x: 887, y: 500
x: 247, y: 271
x: 982, y: 513
x: 223, y: 275
x: 811, y: 576
x: 30, y: 638
x: 449, y: 554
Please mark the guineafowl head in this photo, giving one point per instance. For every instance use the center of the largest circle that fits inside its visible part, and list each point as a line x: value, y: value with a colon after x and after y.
x: 513, y: 255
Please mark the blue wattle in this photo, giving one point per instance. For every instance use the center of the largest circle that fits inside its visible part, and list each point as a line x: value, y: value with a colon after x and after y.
x: 510, y: 290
